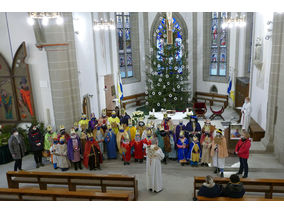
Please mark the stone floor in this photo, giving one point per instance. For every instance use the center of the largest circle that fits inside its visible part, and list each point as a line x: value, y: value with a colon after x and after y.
x: 178, y: 180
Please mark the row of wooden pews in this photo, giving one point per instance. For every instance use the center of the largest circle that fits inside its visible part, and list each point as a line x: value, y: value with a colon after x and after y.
x: 25, y: 185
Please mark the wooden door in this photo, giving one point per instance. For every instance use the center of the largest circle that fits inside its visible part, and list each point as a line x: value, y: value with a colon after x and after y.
x: 109, y: 92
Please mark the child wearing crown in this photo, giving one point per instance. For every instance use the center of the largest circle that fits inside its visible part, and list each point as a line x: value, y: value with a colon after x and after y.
x: 126, y: 148
x: 75, y: 149
x: 92, y: 154
x: 62, y: 159
x: 138, y: 148
x: 206, y: 142
x: 48, y: 141
x: 194, y: 151
x: 53, y: 152
x: 182, y: 146
x: 110, y: 141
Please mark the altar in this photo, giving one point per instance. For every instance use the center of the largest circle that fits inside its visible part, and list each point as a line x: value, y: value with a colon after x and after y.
x: 175, y: 118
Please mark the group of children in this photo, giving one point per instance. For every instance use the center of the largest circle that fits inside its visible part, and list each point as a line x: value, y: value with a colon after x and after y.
x: 90, y: 139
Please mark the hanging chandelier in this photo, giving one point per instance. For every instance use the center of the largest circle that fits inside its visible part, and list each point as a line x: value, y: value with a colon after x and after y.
x: 234, y: 22
x: 104, y: 25
x: 45, y: 17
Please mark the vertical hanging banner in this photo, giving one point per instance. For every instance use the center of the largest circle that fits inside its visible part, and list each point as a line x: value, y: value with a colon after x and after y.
x: 8, y: 101
x: 22, y: 85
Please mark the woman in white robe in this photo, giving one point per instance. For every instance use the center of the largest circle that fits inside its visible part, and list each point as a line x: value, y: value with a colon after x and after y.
x: 246, y: 111
x: 153, y: 168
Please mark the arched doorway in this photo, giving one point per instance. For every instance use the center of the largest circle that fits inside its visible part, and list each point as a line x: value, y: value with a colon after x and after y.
x: 86, y: 106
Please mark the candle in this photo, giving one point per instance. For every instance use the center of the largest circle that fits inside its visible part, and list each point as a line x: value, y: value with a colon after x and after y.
x: 186, y: 110
x: 153, y: 110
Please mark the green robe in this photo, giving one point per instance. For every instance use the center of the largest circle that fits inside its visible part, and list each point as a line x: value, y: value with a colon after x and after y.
x: 48, y: 140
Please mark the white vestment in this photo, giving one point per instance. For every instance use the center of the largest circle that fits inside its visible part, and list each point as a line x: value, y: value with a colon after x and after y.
x: 246, y: 111
x: 154, y: 168
x: 62, y: 160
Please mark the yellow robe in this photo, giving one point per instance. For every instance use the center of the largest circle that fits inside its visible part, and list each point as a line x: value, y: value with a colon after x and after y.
x: 114, y: 122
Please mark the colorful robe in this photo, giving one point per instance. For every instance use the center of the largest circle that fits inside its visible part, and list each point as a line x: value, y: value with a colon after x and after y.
x: 178, y: 129
x: 183, y: 154
x: 96, y: 150
x: 194, y: 151
x: 92, y: 124
x: 126, y: 150
x: 138, y: 149
x: 114, y: 122
x: 192, y: 127
x: 110, y: 141
x: 48, y: 140
x: 72, y: 151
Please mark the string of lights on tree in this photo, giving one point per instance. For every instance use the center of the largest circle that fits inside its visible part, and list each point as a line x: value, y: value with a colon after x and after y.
x: 167, y: 82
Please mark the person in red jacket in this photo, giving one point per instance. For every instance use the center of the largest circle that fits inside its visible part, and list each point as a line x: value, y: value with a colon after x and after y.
x: 242, y: 150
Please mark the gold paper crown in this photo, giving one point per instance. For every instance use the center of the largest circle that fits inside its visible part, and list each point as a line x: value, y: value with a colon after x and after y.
x: 90, y: 135
x: 120, y: 127
x: 48, y: 128
x: 109, y: 126
x: 122, y: 111
x: 165, y: 115
x: 137, y: 132
x: 72, y: 131
x: 149, y: 125
x: 62, y: 138
x: 75, y: 124
x: 83, y: 115
x: 208, y: 121
x: 113, y: 113
x: 104, y: 112
x: 61, y: 127
x: 219, y: 131
x: 181, y: 133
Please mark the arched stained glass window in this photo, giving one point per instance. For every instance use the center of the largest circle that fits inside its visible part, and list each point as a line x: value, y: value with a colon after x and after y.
x: 161, y: 40
x: 218, y: 52
x: 123, y: 28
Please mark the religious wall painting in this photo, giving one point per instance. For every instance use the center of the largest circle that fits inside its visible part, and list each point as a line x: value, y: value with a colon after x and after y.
x: 120, y: 39
x: 7, y: 94
x: 16, y: 103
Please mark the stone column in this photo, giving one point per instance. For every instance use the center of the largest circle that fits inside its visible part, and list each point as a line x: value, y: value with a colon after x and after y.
x: 276, y: 56
x: 63, y: 69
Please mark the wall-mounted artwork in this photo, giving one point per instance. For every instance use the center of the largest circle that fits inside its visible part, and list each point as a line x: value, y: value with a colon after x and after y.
x: 16, y: 100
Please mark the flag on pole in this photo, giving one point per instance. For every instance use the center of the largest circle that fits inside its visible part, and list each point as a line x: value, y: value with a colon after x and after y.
x: 120, y: 90
x: 229, y: 90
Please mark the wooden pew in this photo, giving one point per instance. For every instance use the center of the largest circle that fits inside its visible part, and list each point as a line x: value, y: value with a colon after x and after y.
x: 266, y: 186
x: 245, y: 198
x: 72, y: 180
x: 211, y: 98
x: 58, y: 195
x: 137, y: 98
x: 255, y: 130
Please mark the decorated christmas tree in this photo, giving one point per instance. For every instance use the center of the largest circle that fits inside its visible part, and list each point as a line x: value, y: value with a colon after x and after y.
x: 167, y: 82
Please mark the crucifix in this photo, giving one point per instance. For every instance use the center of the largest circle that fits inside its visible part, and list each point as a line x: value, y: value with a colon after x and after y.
x: 169, y: 22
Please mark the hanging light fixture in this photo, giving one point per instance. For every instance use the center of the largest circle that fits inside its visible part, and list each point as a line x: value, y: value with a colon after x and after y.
x: 45, y: 17
x: 234, y: 22
x: 104, y: 25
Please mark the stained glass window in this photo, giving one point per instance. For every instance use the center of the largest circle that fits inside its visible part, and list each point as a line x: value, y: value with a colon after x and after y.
x: 161, y: 41
x: 123, y: 28
x: 218, y: 56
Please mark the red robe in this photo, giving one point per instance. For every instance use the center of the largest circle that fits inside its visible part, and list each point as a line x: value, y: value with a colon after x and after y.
x: 26, y: 97
x: 138, y: 149
x: 147, y: 142
x: 126, y: 151
x: 87, y: 152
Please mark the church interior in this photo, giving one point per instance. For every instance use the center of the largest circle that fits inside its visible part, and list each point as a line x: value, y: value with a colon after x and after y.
x: 169, y: 72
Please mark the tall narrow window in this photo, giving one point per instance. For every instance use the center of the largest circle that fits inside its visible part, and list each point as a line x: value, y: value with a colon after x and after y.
x: 218, y: 56
x: 124, y: 44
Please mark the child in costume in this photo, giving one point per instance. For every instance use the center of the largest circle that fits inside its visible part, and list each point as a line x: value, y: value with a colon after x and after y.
x: 62, y: 159
x: 141, y: 127
x: 63, y: 135
x: 53, y: 152
x: 206, y: 142
x: 99, y: 137
x: 118, y: 139
x: 48, y: 141
x: 103, y: 121
x: 75, y: 149
x: 124, y: 118
x: 125, y: 148
x: 193, y: 128
x: 164, y: 143
x: 180, y: 127
x: 84, y: 122
x: 77, y: 130
x: 182, y: 145
x: 147, y: 141
x: 114, y: 122
x: 92, y: 155
x: 194, y: 151
x: 93, y: 122
x: 219, y: 152
x: 110, y: 141
x: 132, y: 128
x: 138, y: 148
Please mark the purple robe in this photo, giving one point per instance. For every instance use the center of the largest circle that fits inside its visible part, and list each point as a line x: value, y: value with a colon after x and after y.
x: 93, y: 123
x: 71, y: 151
